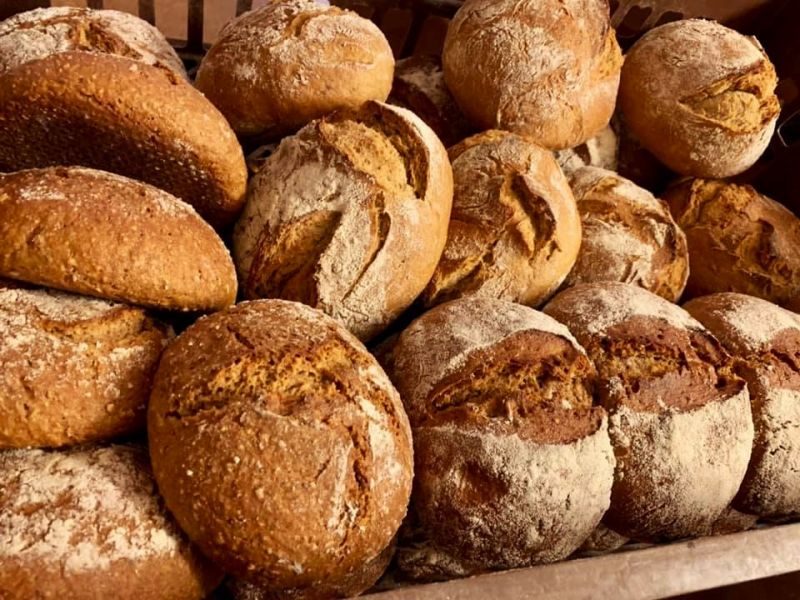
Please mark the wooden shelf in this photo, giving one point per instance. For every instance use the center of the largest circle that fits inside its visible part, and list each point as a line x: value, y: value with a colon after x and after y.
x: 645, y: 574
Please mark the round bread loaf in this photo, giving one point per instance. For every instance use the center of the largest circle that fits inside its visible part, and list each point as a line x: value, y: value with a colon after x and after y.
x: 349, y: 216
x: 700, y: 96
x: 276, y: 68
x: 73, y: 369
x: 99, y: 234
x: 628, y: 236
x: 419, y: 86
x: 739, y: 241
x: 539, y: 68
x: 119, y: 115
x: 280, y: 445
x: 87, y: 523
x: 766, y: 339
x: 600, y: 151
x: 41, y: 32
x: 679, y: 415
x: 513, y: 465
x: 514, y: 231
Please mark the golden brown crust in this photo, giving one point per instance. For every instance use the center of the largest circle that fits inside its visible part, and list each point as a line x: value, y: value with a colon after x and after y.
x: 108, y: 112
x: 514, y: 230
x: 99, y: 234
x: 739, y: 241
x: 276, y: 68
x: 271, y: 414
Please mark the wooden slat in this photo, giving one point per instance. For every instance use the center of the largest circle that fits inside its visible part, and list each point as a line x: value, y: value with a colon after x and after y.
x: 147, y: 11
x: 195, y: 26
x: 243, y: 6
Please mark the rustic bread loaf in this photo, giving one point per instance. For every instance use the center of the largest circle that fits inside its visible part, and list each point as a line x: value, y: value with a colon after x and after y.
x: 739, y: 241
x: 600, y: 151
x: 700, y: 96
x: 679, y: 418
x: 99, y: 234
x: 73, y: 369
x: 766, y: 340
x: 280, y: 445
x: 513, y: 465
x: 274, y: 69
x: 41, y: 32
x: 119, y: 115
x: 349, y: 216
x: 536, y: 68
x: 514, y: 230
x: 628, y: 236
x: 419, y: 86
x: 87, y: 523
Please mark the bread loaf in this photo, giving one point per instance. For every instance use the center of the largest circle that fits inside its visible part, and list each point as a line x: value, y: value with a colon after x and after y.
x: 514, y: 230
x: 679, y: 417
x: 766, y: 340
x: 87, y: 523
x: 541, y: 68
x: 349, y: 216
x: 280, y: 445
x: 739, y: 241
x: 42, y: 32
x: 74, y: 369
x: 513, y: 465
x: 99, y: 234
x: 274, y: 69
x: 700, y: 96
x: 628, y: 236
x: 115, y: 114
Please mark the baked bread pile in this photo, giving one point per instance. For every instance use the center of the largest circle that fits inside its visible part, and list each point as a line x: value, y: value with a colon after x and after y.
x: 531, y: 388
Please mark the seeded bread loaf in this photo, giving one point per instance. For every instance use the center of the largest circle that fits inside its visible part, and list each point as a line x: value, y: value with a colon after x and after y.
x: 541, y: 68
x: 41, y: 32
x: 628, y: 236
x: 513, y: 464
x: 766, y: 340
x: 87, y: 523
x: 349, y: 216
x: 276, y: 68
x: 280, y: 445
x: 73, y: 369
x: 119, y: 115
x: 700, y: 97
x: 739, y: 241
x: 679, y: 418
x: 514, y: 231
x: 99, y: 234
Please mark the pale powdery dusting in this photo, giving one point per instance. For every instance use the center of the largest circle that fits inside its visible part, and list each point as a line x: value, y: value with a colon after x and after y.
x: 429, y: 82
x: 757, y: 322
x: 82, y: 509
x: 53, y: 305
x: 600, y: 151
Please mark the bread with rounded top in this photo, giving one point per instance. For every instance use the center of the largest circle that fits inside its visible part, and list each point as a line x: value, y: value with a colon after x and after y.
x: 271, y: 414
x: 120, y: 115
x: 679, y: 415
x: 349, y: 216
x: 98, y: 234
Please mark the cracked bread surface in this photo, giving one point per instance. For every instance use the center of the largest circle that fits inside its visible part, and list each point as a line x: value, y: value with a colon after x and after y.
x: 99, y: 234
x: 349, y: 216
x: 269, y: 415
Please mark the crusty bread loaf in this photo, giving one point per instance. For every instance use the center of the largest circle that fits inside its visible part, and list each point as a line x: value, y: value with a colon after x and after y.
x: 513, y: 465
x: 73, y: 369
x: 600, y: 151
x: 766, y: 340
x: 514, y: 230
x: 274, y: 69
x: 350, y: 216
x: 99, y: 234
x: 119, y: 115
x: 280, y: 445
x: 739, y: 241
x: 536, y: 68
x: 679, y: 415
x: 700, y: 96
x: 419, y: 86
x: 628, y: 236
x: 87, y: 523
x: 41, y: 32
